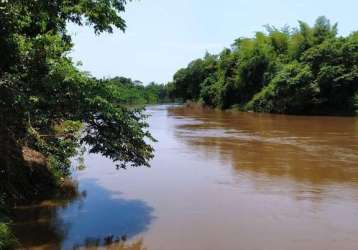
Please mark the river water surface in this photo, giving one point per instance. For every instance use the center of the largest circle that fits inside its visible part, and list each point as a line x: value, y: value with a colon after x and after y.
x: 219, y: 180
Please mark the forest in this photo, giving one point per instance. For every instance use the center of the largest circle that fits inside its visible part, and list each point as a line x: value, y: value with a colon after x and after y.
x: 134, y: 92
x: 304, y: 70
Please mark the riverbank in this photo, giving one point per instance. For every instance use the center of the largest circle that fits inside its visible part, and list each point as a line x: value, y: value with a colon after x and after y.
x: 32, y: 180
x: 285, y: 177
x: 29, y: 180
x: 192, y: 105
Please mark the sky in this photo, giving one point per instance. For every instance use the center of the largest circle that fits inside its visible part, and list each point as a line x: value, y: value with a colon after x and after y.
x: 163, y: 36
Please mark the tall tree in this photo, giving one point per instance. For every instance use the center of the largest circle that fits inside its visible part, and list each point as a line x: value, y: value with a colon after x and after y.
x: 44, y: 98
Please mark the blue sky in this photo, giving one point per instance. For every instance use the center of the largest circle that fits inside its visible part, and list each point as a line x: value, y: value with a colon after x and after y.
x: 165, y: 35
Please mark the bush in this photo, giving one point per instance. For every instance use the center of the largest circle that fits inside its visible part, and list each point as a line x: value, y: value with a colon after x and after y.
x: 291, y: 91
x: 7, y: 239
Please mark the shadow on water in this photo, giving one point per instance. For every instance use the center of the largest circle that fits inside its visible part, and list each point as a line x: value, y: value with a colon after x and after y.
x: 95, y: 218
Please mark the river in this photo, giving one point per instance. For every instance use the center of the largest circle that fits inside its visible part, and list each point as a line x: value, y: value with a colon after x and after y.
x: 219, y: 180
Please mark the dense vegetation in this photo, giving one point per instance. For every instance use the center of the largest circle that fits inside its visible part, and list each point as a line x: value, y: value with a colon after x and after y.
x: 48, y: 108
x: 304, y: 70
x: 135, y: 93
x: 45, y: 99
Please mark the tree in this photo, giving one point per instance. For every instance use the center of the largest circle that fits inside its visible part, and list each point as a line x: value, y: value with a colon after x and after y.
x: 304, y: 70
x: 45, y: 100
x: 292, y: 91
x: 187, y: 81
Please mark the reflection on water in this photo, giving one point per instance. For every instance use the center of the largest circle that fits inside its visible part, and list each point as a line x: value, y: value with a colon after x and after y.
x: 219, y: 180
x: 95, y: 218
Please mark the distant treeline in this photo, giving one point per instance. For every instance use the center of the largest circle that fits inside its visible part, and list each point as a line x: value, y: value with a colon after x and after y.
x: 304, y: 70
x: 133, y: 92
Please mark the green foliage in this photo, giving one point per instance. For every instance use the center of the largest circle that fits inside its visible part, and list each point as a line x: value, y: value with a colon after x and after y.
x: 187, y: 81
x: 47, y: 104
x: 255, y: 66
x: 292, y: 91
x: 156, y: 93
x: 334, y: 64
x: 131, y: 92
x: 305, y: 70
x: 355, y: 102
x: 7, y: 240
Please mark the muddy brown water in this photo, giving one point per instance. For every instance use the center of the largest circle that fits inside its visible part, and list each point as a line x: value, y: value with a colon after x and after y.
x: 219, y: 180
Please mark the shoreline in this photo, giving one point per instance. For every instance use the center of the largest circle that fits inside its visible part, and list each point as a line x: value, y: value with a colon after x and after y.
x: 236, y: 109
